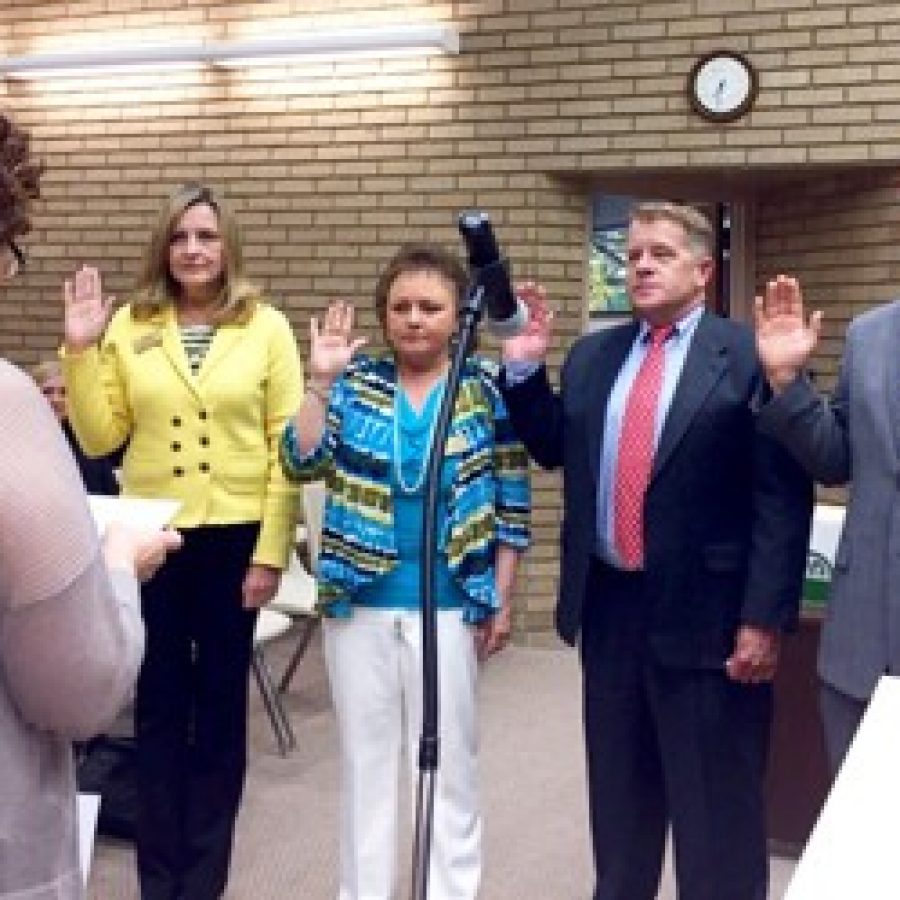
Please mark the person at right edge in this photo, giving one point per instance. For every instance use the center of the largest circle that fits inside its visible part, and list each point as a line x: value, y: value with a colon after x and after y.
x: 684, y: 541
x: 852, y: 437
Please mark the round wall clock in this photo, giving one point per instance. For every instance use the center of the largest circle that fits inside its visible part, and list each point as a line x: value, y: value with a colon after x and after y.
x: 722, y: 85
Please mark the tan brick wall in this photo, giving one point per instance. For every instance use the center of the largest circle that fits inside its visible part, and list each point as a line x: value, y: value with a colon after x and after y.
x: 332, y: 165
x: 838, y: 234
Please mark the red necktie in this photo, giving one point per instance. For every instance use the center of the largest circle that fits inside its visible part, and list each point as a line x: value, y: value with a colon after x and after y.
x: 636, y: 448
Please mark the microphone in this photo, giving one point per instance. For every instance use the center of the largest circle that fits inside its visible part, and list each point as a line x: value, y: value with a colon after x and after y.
x: 506, y: 314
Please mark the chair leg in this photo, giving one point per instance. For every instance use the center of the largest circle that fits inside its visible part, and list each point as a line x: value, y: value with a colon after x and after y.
x: 303, y: 642
x: 281, y: 725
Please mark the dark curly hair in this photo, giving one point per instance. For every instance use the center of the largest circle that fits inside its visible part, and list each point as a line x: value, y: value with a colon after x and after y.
x: 20, y: 175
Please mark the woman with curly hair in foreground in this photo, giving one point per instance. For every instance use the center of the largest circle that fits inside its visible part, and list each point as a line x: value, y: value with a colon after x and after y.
x: 71, y: 636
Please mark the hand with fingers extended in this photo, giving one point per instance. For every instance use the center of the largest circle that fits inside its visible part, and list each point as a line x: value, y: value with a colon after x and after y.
x: 533, y: 342
x: 87, y: 311
x: 785, y: 338
x: 332, y: 347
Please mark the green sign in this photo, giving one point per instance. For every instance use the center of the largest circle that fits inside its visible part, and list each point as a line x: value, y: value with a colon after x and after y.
x: 817, y: 585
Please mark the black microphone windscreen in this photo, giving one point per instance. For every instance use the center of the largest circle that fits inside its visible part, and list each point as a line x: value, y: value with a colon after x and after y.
x: 479, y: 238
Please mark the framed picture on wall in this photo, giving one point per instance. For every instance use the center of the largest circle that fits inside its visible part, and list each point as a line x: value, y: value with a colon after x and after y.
x: 607, y: 294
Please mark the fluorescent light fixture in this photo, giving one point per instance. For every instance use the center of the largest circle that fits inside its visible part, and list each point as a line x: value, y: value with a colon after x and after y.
x: 386, y: 40
x: 429, y: 38
x: 104, y: 61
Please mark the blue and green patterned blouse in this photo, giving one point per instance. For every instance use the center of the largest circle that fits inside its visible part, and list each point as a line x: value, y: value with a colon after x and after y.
x: 488, y: 499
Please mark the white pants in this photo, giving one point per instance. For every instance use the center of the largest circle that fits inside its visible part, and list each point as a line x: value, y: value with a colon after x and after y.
x: 374, y: 663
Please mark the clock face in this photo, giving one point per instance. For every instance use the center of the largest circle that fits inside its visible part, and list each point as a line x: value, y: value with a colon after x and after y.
x: 722, y: 86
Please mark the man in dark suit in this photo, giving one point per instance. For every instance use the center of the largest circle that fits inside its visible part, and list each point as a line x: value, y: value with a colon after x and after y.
x: 683, y: 549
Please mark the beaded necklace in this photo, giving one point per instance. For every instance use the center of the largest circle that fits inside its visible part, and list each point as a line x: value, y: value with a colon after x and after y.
x: 416, y: 486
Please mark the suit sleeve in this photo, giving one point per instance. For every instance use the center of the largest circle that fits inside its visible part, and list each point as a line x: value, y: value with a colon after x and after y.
x: 782, y: 512
x: 815, y: 429
x: 536, y: 412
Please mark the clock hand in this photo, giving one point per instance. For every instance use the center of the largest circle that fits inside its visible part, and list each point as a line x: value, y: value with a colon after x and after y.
x: 720, y: 90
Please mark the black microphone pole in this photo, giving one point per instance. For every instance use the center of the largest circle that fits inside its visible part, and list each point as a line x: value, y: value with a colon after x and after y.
x: 429, y: 750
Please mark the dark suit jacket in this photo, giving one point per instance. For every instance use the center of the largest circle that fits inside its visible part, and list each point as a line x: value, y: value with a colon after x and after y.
x: 727, y: 511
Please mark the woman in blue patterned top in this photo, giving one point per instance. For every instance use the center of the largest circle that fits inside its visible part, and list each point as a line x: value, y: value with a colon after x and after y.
x: 366, y: 426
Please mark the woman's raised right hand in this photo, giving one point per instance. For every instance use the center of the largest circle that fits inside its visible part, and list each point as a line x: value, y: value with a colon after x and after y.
x: 332, y: 346
x: 87, y: 312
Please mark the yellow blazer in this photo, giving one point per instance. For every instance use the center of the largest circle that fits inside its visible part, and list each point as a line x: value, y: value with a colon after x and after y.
x: 210, y: 441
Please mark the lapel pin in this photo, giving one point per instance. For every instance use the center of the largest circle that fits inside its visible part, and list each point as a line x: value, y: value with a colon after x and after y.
x: 147, y: 341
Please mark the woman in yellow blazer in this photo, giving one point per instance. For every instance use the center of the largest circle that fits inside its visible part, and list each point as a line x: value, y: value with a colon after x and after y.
x: 199, y: 376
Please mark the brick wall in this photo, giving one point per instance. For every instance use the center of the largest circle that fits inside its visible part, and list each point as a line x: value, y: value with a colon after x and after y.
x: 838, y: 235
x: 332, y: 165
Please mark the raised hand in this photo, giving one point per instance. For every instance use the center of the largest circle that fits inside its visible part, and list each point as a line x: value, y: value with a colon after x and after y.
x: 86, y: 310
x: 785, y: 338
x: 533, y: 342
x: 332, y: 347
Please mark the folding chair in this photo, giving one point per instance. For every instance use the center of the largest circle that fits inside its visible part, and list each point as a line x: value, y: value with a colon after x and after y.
x: 297, y: 595
x: 293, y: 605
x: 270, y: 625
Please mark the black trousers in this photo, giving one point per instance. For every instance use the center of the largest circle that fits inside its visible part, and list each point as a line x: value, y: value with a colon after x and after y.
x: 668, y: 746
x: 191, y: 714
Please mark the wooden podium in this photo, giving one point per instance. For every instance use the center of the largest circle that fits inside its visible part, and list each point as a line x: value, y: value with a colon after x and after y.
x: 798, y: 776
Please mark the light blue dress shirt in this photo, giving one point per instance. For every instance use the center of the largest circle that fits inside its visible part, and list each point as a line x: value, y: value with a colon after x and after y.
x: 676, y: 348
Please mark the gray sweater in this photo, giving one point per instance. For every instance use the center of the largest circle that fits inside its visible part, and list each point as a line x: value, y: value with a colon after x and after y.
x: 71, y: 641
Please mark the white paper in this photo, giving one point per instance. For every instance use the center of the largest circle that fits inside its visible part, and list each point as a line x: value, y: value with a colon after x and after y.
x: 87, y: 808
x: 827, y: 525
x: 852, y: 851
x: 139, y: 512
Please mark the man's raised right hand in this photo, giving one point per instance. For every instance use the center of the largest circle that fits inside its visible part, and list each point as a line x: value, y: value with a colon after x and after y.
x: 785, y: 339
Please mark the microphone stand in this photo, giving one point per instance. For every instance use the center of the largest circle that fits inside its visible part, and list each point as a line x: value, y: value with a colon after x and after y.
x: 470, y: 314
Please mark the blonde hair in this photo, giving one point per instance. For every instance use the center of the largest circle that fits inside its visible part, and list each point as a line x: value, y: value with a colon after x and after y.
x: 46, y: 369
x: 156, y: 289
x: 696, y: 226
